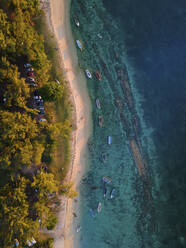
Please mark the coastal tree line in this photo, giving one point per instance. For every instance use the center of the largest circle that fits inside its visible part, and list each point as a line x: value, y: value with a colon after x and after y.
x: 28, y: 188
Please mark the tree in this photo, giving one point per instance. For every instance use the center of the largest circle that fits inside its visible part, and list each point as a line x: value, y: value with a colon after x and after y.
x: 15, y: 223
x: 16, y: 91
x: 38, y: 149
x: 67, y: 189
x: 6, y: 40
x: 45, y: 185
x: 52, y: 91
x: 17, y: 133
x: 31, y: 6
x: 51, y: 222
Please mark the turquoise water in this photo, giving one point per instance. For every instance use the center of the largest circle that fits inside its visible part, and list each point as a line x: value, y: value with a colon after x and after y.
x: 142, y: 94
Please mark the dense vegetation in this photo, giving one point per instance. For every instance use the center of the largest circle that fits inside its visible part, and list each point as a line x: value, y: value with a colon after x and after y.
x: 29, y: 184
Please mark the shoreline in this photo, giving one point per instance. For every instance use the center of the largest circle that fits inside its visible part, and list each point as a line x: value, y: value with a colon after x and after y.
x: 58, y: 18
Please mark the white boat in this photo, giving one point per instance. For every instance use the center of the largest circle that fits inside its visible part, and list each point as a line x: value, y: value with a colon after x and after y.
x: 100, y: 36
x: 76, y: 21
x: 89, y: 75
x: 109, y: 140
x: 79, y: 44
x: 98, y: 103
x: 78, y: 229
x: 112, y: 193
x: 107, y: 179
x: 99, y: 207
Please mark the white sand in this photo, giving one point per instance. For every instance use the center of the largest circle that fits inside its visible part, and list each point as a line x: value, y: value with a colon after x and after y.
x: 59, y: 20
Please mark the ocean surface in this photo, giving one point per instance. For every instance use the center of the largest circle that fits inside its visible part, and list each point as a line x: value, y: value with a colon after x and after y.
x: 139, y: 48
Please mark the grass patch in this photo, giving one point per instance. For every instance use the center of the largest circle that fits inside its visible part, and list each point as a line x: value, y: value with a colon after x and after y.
x: 61, y: 110
x: 51, y: 47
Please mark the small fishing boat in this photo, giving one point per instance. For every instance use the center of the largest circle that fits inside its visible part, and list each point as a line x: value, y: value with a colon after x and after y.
x: 112, y: 193
x: 100, y: 120
x: 78, y: 229
x: 103, y: 157
x: 79, y: 44
x: 100, y: 36
x: 99, y: 207
x: 107, y: 179
x: 89, y: 75
x: 76, y: 21
x: 92, y: 212
x: 98, y: 75
x: 109, y: 140
x: 105, y: 192
x: 98, y: 103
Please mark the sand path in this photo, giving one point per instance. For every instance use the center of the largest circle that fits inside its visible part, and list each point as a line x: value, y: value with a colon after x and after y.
x: 59, y: 20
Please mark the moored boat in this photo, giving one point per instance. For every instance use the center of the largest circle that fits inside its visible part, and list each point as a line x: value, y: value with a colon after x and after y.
x: 78, y: 229
x: 98, y: 75
x: 100, y: 36
x: 89, y: 75
x: 107, y: 179
x: 92, y: 212
x: 103, y: 157
x: 112, y: 193
x: 98, y: 103
x: 79, y: 44
x: 109, y: 140
x: 99, y: 207
x: 105, y: 192
x: 76, y: 21
x: 100, y: 119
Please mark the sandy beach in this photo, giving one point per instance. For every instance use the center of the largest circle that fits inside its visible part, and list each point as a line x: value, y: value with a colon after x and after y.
x: 58, y: 15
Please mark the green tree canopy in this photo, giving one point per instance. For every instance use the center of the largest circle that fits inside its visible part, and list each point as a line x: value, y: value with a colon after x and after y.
x: 45, y: 185
x: 15, y: 223
x: 17, y: 133
x: 51, y: 91
x: 16, y: 91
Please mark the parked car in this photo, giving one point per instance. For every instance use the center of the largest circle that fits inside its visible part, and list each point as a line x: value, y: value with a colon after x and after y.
x: 29, y: 243
x: 40, y: 108
x: 27, y: 65
x: 42, y: 119
x: 40, y: 104
x: 30, y: 74
x: 29, y: 79
x: 33, y: 85
x: 42, y: 112
x: 39, y: 100
x: 37, y: 97
x: 36, y: 92
x: 30, y: 69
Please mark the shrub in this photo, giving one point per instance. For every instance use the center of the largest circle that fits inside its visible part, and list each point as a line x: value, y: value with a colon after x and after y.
x: 51, y: 91
x: 52, y: 221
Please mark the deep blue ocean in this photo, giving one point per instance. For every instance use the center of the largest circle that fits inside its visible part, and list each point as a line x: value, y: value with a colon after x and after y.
x: 139, y: 48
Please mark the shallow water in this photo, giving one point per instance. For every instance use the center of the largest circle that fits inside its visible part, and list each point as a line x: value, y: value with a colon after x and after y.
x: 142, y: 95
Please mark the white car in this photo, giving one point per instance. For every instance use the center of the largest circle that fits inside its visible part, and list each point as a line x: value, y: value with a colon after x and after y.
x: 29, y: 243
x: 37, y: 97
x: 27, y: 65
x: 42, y: 120
x: 29, y: 69
x: 33, y: 241
x: 40, y: 108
